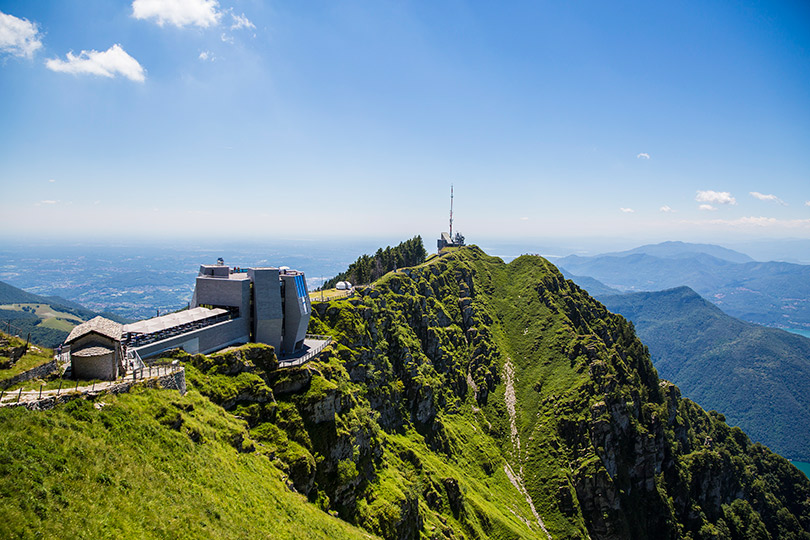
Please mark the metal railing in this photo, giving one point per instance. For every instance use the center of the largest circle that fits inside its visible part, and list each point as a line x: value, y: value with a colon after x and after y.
x: 310, y: 354
x: 143, y: 373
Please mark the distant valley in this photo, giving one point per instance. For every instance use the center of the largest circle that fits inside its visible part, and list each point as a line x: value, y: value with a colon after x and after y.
x: 48, y: 320
x: 135, y: 282
x: 758, y: 377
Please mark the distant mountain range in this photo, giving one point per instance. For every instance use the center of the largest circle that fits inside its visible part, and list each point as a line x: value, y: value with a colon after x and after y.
x: 670, y: 250
x: 48, y: 319
x: 769, y: 293
x: 758, y: 377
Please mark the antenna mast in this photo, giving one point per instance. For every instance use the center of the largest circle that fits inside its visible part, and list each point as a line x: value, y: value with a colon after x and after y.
x: 451, y: 212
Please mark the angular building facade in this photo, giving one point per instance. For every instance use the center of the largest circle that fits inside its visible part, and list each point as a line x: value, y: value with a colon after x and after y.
x: 231, y: 306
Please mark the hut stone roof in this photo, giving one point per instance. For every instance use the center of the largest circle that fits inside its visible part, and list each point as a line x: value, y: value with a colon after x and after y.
x: 87, y: 352
x: 99, y: 325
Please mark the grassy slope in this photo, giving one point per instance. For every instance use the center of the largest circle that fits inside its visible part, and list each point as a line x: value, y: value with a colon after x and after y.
x: 33, y: 358
x: 50, y: 318
x: 402, y: 428
x: 150, y: 464
x: 573, y: 359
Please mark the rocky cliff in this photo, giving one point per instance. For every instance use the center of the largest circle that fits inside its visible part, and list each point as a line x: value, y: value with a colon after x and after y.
x: 468, y: 398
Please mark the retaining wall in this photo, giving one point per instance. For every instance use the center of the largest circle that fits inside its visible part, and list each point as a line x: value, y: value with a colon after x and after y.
x: 33, y: 373
x: 173, y: 380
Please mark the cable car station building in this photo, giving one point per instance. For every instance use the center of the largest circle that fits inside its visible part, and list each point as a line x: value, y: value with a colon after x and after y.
x: 231, y: 306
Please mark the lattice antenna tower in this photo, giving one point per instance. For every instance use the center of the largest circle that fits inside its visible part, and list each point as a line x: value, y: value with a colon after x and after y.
x: 451, y: 212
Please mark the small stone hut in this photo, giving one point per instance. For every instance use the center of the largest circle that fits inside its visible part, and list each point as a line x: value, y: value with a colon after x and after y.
x: 95, y: 350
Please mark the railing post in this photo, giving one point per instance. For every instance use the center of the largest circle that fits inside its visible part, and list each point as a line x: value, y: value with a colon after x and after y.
x: 19, y: 395
x: 40, y: 390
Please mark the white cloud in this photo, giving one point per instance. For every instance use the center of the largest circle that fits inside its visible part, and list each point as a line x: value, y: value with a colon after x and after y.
x: 770, y: 197
x: 666, y: 209
x: 715, y: 197
x: 707, y: 207
x: 627, y: 210
x: 114, y: 61
x: 202, y: 13
x: 51, y: 180
x: 643, y: 155
x: 47, y: 201
x: 524, y: 219
x: 240, y: 21
x: 226, y: 38
x: 807, y: 203
x: 18, y: 37
x: 207, y: 55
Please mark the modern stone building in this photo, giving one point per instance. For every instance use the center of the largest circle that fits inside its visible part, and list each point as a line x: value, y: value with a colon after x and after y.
x: 231, y: 306
x: 95, y: 350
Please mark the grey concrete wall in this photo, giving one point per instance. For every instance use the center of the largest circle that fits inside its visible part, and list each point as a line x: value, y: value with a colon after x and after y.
x: 267, y: 314
x: 203, y: 340
x: 233, y: 292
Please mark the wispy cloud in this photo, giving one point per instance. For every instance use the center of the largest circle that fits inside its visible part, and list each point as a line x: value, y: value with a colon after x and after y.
x: 707, y: 207
x: 770, y: 197
x: 51, y: 180
x: 643, y: 155
x: 666, y: 209
x: 627, y: 210
x: 524, y: 218
x: 202, y: 13
x: 46, y: 201
x: 807, y: 203
x: 18, y: 37
x: 226, y: 38
x: 715, y: 197
x: 240, y: 21
x: 207, y: 55
x: 114, y: 61
x: 761, y: 221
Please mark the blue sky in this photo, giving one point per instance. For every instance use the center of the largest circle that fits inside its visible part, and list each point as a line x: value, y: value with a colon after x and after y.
x: 281, y: 120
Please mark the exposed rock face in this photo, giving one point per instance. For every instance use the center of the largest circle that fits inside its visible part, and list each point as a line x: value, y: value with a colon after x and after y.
x: 467, y: 398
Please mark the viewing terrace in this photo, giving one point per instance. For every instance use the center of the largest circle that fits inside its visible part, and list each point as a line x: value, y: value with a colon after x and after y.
x: 174, y: 324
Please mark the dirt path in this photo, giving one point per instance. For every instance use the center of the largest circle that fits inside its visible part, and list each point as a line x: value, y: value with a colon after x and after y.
x: 517, y: 479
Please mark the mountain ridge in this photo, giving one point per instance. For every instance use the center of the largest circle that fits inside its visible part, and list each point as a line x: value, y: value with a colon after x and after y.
x: 674, y: 249
x: 47, y: 331
x: 462, y: 398
x: 756, y: 376
x: 768, y: 293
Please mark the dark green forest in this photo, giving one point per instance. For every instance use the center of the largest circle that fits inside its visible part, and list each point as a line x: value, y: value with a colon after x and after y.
x: 368, y: 268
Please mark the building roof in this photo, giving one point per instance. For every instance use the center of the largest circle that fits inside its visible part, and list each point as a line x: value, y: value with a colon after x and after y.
x: 172, y: 320
x: 95, y: 350
x: 99, y: 325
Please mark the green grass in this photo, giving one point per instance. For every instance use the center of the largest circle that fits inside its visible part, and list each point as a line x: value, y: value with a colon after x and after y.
x: 149, y: 464
x: 401, y: 427
x: 58, y: 323
x: 43, y: 311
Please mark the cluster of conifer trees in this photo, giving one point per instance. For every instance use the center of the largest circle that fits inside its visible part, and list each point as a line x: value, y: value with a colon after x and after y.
x: 368, y: 268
